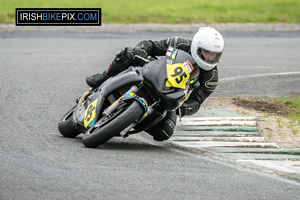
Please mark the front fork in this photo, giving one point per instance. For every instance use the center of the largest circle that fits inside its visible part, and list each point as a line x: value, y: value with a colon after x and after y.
x: 134, y: 89
x: 130, y: 94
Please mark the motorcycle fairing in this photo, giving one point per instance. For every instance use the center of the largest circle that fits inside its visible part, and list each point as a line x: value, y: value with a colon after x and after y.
x: 171, y: 76
x: 114, y: 83
x: 89, y: 111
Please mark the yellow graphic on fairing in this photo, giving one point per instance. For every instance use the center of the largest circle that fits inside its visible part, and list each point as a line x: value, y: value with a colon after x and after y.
x: 131, y: 94
x: 90, y: 113
x: 178, y: 75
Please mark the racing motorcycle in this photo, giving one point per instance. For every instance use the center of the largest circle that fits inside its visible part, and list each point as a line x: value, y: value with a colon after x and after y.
x: 133, y: 100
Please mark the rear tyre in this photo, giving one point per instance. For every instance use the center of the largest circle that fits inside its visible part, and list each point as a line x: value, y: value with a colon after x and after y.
x: 112, y: 125
x: 66, y: 126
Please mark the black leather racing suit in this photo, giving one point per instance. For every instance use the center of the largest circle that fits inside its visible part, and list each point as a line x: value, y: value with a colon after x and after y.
x: 208, y: 80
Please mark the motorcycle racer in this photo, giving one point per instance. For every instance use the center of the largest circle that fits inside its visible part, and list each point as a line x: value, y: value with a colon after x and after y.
x: 206, y: 48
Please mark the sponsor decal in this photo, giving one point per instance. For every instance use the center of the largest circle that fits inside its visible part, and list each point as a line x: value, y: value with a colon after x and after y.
x: 188, y: 66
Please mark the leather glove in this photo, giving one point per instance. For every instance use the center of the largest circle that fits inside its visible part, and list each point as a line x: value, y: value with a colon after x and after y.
x: 189, y: 107
x: 140, y: 51
x: 122, y: 56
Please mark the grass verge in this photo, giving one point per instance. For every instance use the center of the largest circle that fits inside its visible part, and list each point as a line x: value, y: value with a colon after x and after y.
x: 176, y: 11
x: 293, y: 108
x: 282, y: 108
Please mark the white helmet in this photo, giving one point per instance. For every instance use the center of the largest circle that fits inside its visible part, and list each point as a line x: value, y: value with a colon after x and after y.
x: 207, y: 47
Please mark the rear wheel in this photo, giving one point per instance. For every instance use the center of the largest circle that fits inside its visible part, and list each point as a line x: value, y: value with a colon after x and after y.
x: 108, y: 127
x: 66, y: 126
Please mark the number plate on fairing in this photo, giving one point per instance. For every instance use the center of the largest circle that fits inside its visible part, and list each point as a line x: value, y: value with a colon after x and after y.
x: 90, y: 114
x: 178, y: 75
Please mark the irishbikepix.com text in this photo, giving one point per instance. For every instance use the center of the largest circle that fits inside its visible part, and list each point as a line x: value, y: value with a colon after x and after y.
x: 58, y: 17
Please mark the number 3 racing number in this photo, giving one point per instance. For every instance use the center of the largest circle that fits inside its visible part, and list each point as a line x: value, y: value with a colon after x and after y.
x: 178, y: 75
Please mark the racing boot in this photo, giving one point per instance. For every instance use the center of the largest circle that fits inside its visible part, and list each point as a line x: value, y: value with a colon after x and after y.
x: 164, y: 129
x: 121, y: 62
x: 96, y: 79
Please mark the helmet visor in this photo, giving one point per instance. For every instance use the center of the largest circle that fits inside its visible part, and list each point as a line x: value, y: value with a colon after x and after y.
x: 209, y: 56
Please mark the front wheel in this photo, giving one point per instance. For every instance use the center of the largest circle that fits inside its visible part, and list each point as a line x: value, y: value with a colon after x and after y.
x: 112, y: 125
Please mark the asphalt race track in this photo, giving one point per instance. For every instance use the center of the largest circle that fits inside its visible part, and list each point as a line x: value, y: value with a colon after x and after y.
x: 43, y: 73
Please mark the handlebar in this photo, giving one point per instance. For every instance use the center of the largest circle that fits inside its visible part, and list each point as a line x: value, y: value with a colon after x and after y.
x: 147, y: 60
x: 142, y: 58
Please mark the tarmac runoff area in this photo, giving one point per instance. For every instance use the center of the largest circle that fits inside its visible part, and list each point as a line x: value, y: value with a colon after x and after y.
x: 234, y: 137
x: 125, y: 28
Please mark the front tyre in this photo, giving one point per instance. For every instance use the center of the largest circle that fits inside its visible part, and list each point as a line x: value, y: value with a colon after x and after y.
x: 66, y: 126
x: 115, y: 123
